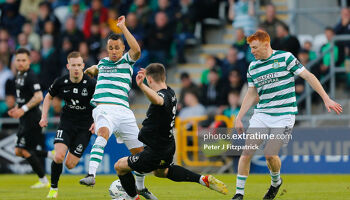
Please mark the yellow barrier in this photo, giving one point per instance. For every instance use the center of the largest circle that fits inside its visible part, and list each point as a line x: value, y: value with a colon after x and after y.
x: 182, y: 135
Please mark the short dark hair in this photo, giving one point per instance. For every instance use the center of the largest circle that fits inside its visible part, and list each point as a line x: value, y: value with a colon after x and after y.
x: 234, y: 92
x: 73, y: 54
x: 184, y: 75
x: 156, y: 71
x: 328, y: 28
x: 114, y: 36
x: 22, y: 50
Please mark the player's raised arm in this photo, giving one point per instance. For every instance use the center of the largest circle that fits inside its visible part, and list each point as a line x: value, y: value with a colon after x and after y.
x: 91, y: 71
x: 46, y: 106
x: 316, y: 85
x: 150, y: 94
x: 135, y: 50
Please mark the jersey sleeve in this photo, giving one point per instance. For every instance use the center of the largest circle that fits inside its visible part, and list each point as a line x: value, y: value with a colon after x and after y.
x: 130, y: 61
x: 166, y: 97
x: 250, y: 80
x: 54, y: 88
x: 293, y: 65
x: 33, y: 83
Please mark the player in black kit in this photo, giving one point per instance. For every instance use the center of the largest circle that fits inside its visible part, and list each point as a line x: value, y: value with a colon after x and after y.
x: 28, y: 98
x: 76, y: 123
x: 157, y: 135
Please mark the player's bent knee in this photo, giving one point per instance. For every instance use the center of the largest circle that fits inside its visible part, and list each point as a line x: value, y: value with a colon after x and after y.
x: 59, y: 157
x: 121, y: 166
x: 270, y: 158
x: 18, y: 152
x: 161, y: 173
x: 25, y: 153
x: 103, y: 132
x: 70, y: 165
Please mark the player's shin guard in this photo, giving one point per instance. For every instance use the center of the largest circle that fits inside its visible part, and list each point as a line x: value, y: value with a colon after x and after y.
x: 56, y: 170
x: 37, y: 167
x: 128, y: 183
x: 180, y: 174
x: 96, y: 154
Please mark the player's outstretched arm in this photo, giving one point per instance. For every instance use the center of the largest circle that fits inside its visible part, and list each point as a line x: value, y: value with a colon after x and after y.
x: 91, y: 71
x: 135, y: 50
x: 150, y: 94
x: 249, y: 99
x: 46, y: 106
x: 316, y: 85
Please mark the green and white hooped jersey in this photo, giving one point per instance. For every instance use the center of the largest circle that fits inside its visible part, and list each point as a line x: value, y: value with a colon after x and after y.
x: 114, y: 81
x: 274, y: 81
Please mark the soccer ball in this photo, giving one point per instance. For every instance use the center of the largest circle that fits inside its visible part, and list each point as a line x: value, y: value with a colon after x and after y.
x: 117, y: 191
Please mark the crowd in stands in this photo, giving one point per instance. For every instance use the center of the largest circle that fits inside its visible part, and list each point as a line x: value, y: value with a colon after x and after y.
x: 51, y: 29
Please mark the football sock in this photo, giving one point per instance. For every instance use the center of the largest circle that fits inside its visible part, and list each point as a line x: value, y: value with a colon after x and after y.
x: 275, y: 179
x: 128, y: 183
x: 240, y: 184
x: 36, y: 165
x: 56, y: 170
x: 180, y: 174
x: 41, y: 153
x: 140, y: 180
x: 96, y: 154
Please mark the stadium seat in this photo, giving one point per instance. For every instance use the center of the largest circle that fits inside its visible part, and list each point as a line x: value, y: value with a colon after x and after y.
x: 319, y: 40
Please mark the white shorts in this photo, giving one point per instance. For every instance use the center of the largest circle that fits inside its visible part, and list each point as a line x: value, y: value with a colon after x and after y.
x: 262, y: 120
x: 120, y: 121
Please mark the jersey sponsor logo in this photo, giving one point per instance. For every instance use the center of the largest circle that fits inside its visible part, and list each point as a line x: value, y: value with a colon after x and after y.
x: 266, y: 79
x: 84, y: 92
x: 275, y: 64
x: 75, y: 105
x: 75, y: 90
x: 36, y: 86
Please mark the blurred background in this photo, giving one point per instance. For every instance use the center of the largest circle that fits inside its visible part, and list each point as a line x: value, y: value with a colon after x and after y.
x: 203, y: 45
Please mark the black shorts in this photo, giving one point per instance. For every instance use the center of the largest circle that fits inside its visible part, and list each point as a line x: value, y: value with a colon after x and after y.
x: 76, y: 138
x: 29, y: 137
x: 149, y: 160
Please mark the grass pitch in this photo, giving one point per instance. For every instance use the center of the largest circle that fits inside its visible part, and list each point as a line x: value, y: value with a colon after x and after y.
x: 295, y: 187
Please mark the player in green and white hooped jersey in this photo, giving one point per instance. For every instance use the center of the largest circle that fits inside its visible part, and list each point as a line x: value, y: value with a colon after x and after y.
x: 112, y: 113
x: 271, y: 80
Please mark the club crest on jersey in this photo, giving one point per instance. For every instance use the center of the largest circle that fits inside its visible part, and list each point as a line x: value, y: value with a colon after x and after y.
x: 84, y: 92
x: 75, y: 90
x: 275, y: 64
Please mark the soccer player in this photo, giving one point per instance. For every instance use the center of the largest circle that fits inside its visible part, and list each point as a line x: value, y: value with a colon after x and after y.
x: 28, y: 98
x: 112, y: 113
x: 73, y: 133
x: 157, y: 134
x: 271, y: 79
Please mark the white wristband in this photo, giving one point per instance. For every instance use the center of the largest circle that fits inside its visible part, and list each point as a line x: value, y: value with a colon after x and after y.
x: 25, y: 108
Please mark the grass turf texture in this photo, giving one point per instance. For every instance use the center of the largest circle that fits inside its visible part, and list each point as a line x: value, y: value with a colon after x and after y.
x: 294, y: 187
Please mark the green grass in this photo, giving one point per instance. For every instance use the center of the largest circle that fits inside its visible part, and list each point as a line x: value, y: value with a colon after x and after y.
x: 295, y: 187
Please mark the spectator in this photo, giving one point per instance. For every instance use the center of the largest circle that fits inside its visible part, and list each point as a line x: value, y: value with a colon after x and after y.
x: 35, y: 59
x: 185, y: 26
x: 304, y: 58
x: 71, y: 32
x: 77, y: 13
x: 46, y: 14
x: 271, y: 21
x: 192, y: 106
x: 97, y: 13
x: 231, y: 62
x: 308, y: 46
x: 233, y: 98
x: 10, y: 101
x: 211, y: 92
x: 142, y: 11
x: 134, y: 27
x: 166, y: 7
x: 84, y: 52
x: 105, y: 31
x: 65, y: 49
x: 326, y: 62
x: 50, y: 68
x: 50, y: 29
x: 211, y: 63
x: 94, y: 40
x: 33, y: 38
x: 29, y: 9
x: 112, y: 21
x: 159, y: 39
x: 5, y: 74
x: 285, y: 41
x: 22, y: 42
x: 5, y: 54
x: 242, y: 13
x: 5, y: 38
x: 186, y: 85
x: 342, y: 27
x: 11, y: 19
x: 234, y: 83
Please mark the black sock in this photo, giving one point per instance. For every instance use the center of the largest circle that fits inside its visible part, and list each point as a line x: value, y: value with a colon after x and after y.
x: 36, y: 165
x: 180, y: 174
x: 128, y: 183
x: 56, y: 170
x: 41, y: 153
